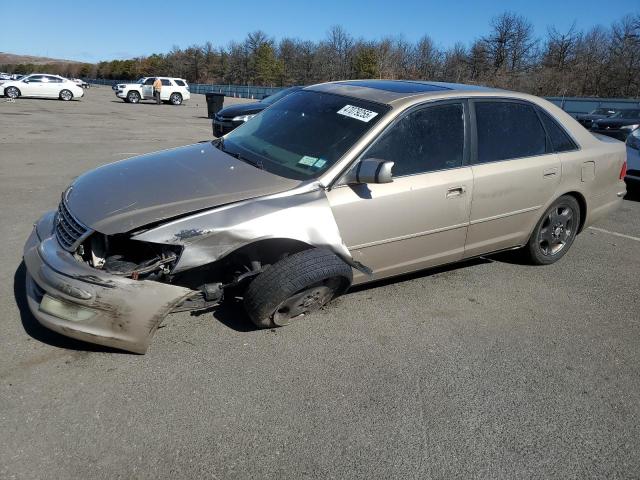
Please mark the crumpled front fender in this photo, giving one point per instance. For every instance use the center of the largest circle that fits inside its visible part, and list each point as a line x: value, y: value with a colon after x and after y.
x: 302, y: 214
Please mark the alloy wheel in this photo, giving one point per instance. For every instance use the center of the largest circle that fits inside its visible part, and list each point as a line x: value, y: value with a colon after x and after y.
x: 556, y: 230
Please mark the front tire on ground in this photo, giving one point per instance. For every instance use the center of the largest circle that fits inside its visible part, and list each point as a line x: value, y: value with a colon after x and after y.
x: 65, y: 95
x: 12, y: 92
x: 133, y: 97
x: 295, y: 286
x: 555, y: 232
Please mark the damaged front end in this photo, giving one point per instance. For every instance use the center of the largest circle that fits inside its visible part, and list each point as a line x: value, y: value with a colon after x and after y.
x: 116, y: 289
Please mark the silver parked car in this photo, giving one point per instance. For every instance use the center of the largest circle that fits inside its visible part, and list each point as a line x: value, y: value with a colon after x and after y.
x: 335, y: 185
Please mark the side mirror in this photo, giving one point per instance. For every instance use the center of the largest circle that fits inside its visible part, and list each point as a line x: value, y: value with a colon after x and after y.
x: 26, y: 80
x: 371, y: 170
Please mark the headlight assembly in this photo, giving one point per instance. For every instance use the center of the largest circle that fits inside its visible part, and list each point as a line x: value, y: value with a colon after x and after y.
x: 243, y: 118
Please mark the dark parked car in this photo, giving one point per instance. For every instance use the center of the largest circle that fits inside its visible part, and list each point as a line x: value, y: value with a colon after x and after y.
x: 586, y: 119
x: 235, y: 115
x: 619, y: 125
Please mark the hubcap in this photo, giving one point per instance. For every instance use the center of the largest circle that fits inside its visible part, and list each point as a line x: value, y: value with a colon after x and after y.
x: 66, y: 95
x: 175, y: 99
x: 301, y: 303
x: 556, y: 230
x: 12, y: 93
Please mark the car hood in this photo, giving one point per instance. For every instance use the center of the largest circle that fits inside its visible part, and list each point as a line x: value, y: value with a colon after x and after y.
x: 132, y: 193
x: 242, y: 109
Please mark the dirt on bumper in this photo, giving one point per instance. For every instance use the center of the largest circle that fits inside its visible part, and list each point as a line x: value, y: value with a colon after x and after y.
x: 127, y: 312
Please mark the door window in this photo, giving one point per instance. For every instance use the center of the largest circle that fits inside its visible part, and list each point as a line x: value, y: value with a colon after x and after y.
x: 149, y: 81
x: 424, y: 140
x: 508, y: 130
x: 166, y: 82
x: 35, y: 79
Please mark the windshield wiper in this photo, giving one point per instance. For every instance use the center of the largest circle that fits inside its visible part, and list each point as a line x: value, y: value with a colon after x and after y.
x: 220, y: 146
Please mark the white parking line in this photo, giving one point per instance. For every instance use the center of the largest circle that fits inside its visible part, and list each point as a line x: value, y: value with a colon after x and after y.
x: 615, y: 233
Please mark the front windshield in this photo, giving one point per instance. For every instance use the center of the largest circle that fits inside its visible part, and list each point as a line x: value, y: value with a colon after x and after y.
x: 627, y: 114
x: 303, y: 135
x: 277, y: 96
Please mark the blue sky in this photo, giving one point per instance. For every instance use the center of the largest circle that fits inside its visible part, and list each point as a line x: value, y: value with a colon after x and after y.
x: 92, y: 31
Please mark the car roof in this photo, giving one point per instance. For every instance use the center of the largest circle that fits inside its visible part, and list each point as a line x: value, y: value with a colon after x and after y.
x: 389, y: 91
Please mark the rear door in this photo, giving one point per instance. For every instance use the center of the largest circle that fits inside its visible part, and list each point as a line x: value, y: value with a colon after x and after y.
x: 167, y: 89
x: 515, y: 174
x: 51, y: 86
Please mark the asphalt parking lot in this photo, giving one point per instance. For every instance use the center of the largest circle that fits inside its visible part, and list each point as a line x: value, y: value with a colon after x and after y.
x: 487, y: 369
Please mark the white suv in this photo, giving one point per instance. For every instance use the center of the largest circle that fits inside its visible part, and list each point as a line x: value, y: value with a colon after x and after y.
x: 174, y: 90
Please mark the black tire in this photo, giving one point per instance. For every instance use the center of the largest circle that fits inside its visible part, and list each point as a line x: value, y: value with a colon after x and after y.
x: 295, y: 286
x: 133, y: 97
x: 12, y: 92
x: 65, y: 95
x: 175, y: 99
x: 554, y: 233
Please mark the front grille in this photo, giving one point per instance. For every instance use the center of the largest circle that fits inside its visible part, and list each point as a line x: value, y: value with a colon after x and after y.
x: 69, y: 231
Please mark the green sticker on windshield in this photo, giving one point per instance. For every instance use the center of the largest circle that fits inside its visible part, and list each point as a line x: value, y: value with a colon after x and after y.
x: 308, y: 161
x: 320, y: 163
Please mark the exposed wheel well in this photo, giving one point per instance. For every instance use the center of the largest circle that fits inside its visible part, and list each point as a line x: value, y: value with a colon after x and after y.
x: 583, y: 207
x: 248, y: 258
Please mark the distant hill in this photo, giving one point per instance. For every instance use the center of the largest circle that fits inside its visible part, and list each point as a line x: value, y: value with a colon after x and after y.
x: 11, y: 59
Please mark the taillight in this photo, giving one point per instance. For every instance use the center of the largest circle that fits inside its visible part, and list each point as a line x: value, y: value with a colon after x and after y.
x: 623, y: 170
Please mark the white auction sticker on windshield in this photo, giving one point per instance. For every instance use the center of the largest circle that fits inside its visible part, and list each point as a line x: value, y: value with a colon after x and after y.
x: 358, y: 113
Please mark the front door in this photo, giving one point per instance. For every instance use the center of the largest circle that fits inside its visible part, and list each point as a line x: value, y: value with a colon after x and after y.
x: 147, y: 88
x: 32, y: 86
x: 515, y: 174
x: 420, y: 219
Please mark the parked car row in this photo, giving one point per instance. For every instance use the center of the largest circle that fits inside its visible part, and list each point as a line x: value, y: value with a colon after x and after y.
x: 613, y: 122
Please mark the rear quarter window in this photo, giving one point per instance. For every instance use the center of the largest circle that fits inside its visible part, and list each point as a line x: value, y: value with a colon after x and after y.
x: 560, y: 140
x: 180, y: 83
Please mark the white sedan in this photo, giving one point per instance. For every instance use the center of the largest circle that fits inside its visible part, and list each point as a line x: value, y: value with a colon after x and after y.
x: 42, y: 86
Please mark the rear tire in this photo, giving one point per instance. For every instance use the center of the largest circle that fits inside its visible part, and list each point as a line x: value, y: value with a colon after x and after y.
x: 295, y: 286
x: 175, y: 99
x: 133, y: 97
x: 554, y: 233
x: 12, y: 92
x: 65, y: 95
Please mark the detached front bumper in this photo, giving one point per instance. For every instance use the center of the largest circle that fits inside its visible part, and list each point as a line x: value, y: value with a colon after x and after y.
x: 126, y: 312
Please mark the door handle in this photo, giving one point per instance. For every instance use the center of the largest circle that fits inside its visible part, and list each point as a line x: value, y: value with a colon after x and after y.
x: 550, y: 172
x: 455, y: 191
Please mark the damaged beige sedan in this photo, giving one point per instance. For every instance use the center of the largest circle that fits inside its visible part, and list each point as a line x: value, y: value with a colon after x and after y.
x: 335, y: 185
